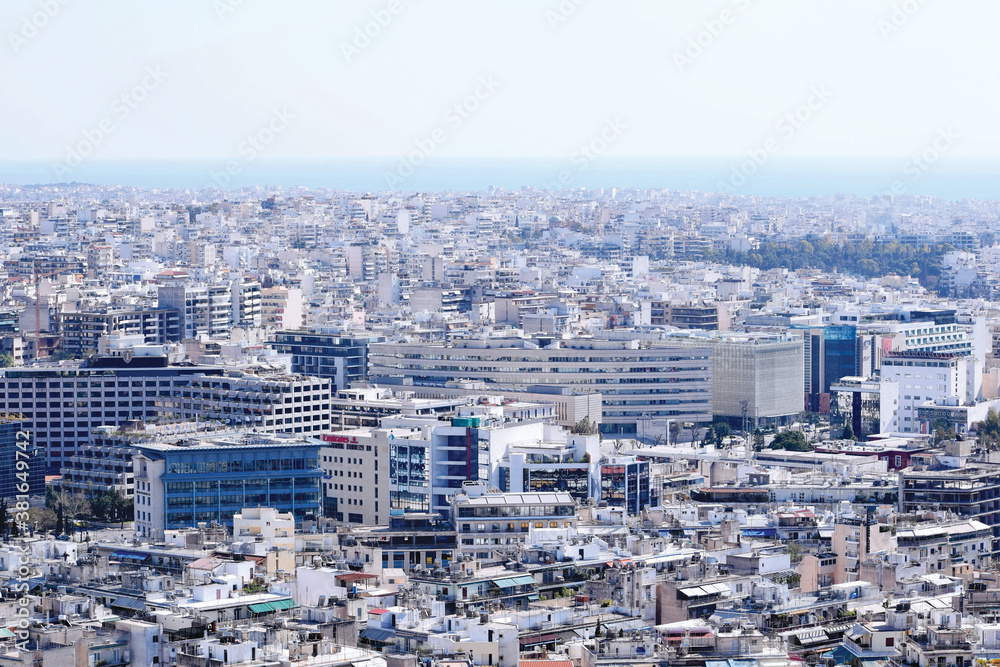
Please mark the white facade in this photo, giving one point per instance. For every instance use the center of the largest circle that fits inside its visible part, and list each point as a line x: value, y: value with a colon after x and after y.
x: 266, y: 524
x: 931, y: 378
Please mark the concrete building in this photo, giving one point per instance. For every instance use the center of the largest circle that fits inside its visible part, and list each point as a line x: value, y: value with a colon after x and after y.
x: 281, y: 308
x: 204, y: 310
x: 492, y: 526
x: 265, y: 524
x: 82, y: 331
x: 634, y: 381
x: 62, y: 404
x: 931, y: 378
x: 341, y: 358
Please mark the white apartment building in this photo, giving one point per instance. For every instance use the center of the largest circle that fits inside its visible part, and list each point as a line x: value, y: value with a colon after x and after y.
x: 265, y: 524
x: 281, y: 308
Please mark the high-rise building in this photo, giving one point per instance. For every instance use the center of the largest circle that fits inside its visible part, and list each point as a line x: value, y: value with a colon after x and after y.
x: 830, y: 353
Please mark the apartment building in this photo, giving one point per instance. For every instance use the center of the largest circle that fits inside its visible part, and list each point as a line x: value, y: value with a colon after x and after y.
x: 82, y: 331
x: 202, y: 309
x: 341, y: 358
x: 281, y: 308
x: 494, y: 525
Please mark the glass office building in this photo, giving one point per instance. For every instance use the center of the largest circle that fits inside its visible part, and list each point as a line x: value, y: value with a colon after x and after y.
x: 15, y: 448
x: 207, y: 479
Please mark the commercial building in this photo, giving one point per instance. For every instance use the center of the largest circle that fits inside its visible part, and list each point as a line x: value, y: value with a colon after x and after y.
x: 343, y: 359
x: 625, y: 483
x: 831, y: 353
x: 756, y: 378
x: 22, y: 462
x: 185, y: 481
x: 62, y: 404
x: 931, y: 378
x: 635, y: 381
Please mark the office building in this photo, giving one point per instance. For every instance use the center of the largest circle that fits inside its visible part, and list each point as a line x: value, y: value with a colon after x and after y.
x: 193, y: 479
x: 62, y: 404
x: 22, y: 462
x: 625, y: 483
x: 929, y: 378
x: 969, y: 491
x: 634, y: 381
x: 868, y: 406
x: 830, y: 353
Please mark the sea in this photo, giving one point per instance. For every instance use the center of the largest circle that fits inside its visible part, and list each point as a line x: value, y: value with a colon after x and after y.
x: 788, y: 177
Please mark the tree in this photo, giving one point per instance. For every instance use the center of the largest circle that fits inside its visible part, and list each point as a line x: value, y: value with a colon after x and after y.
x: 6, y: 359
x: 848, y: 433
x: 585, y: 427
x: 59, y: 520
x: 793, y: 441
x: 758, y: 440
x: 988, y: 430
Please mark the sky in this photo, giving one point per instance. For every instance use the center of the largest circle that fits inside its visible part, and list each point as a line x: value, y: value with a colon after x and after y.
x: 320, y: 79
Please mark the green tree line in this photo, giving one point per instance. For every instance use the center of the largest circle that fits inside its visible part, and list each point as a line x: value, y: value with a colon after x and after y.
x: 865, y: 259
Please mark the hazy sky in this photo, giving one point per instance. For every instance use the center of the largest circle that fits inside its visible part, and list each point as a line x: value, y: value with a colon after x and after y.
x: 560, y: 76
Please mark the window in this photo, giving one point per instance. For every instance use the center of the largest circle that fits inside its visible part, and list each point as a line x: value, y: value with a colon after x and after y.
x: 890, y: 641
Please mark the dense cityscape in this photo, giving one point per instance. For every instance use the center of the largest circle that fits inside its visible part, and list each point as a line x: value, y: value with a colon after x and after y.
x: 290, y: 426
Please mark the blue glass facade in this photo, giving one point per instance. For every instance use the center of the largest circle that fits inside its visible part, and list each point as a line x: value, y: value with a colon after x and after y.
x: 213, y: 483
x: 21, y: 462
x: 841, y: 358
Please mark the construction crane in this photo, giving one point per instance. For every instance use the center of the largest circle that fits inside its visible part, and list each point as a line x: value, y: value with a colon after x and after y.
x: 38, y: 305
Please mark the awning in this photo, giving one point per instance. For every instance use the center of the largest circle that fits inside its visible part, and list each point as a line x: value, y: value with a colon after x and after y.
x: 126, y: 602
x: 6, y: 634
x: 533, y: 598
x: 136, y: 556
x: 277, y: 605
x: 522, y: 580
x: 378, y: 635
